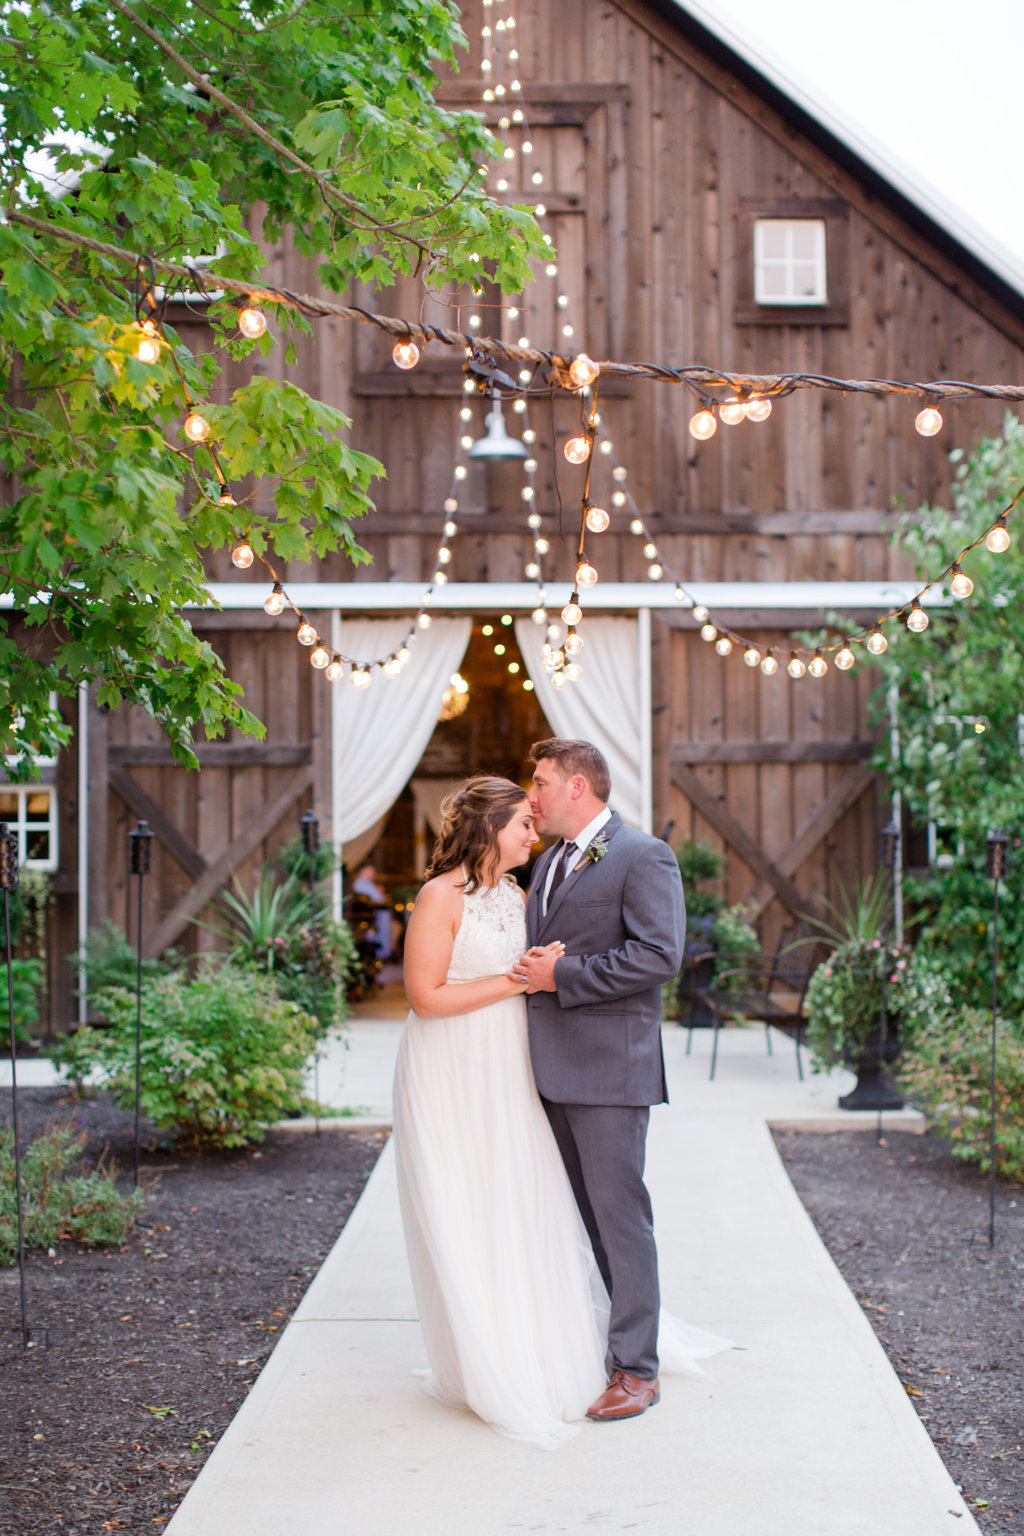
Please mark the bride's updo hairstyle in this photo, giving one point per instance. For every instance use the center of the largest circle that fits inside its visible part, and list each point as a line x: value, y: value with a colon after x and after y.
x: 472, y: 816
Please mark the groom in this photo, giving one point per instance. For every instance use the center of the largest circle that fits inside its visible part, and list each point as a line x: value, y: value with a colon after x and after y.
x: 614, y: 898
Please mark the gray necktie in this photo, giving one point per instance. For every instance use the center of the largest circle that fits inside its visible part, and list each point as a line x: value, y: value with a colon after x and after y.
x: 562, y: 864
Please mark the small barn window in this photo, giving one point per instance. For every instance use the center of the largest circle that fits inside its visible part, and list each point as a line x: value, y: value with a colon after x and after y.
x: 790, y: 262
x: 30, y: 811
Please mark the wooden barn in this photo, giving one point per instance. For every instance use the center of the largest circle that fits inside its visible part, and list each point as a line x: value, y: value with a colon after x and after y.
x: 700, y: 214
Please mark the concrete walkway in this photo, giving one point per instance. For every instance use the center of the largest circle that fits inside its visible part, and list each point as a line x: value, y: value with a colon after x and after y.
x: 802, y: 1430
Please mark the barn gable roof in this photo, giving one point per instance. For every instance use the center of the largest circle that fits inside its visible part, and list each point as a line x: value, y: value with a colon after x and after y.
x: 923, y: 208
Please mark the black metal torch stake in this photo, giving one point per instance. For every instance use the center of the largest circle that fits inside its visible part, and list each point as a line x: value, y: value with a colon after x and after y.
x: 141, y: 841
x: 311, y: 842
x: 995, y: 868
x: 888, y: 843
x: 9, y: 883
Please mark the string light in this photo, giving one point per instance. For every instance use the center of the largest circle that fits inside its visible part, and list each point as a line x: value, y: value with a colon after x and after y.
x: 769, y: 665
x: 360, y: 677
x: 845, y: 657
x: 699, y: 613
x: 582, y: 370
x: 917, y: 619
x: 319, y: 656
x: 196, y: 427
x: 723, y: 645
x: 759, y: 408
x: 572, y: 612
x: 960, y: 584
x: 703, y: 425
x: 929, y: 421
x: 243, y: 555
x: 709, y: 632
x: 334, y: 668
x: 252, y: 322
x: 406, y: 354
x: 597, y: 519
x: 306, y: 634
x: 876, y: 642
x: 752, y: 656
x: 795, y: 666
x: 732, y: 412
x: 577, y: 449
x: 147, y: 348
x: 817, y: 666
x: 274, y: 604
x: 998, y: 537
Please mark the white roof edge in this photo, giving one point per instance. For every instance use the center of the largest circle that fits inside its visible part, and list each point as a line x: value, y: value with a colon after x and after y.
x: 943, y: 212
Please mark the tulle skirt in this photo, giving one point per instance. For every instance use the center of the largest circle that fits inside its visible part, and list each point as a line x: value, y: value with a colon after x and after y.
x: 512, y: 1307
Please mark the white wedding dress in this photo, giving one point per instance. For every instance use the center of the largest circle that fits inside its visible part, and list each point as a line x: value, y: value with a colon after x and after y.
x: 513, y: 1310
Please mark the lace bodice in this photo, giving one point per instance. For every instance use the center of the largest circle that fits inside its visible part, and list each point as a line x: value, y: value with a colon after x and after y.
x: 492, y: 932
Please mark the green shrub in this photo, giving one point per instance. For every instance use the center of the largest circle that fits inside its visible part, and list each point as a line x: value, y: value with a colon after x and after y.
x: 221, y: 1054
x: 26, y: 981
x: 58, y: 1201
x: 946, y: 1070
x: 111, y: 961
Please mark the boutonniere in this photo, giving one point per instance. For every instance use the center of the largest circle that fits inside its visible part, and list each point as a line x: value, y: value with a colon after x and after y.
x: 595, y: 849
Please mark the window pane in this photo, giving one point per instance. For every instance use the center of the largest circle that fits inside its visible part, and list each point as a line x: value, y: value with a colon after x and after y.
x: 789, y: 261
x: 773, y: 239
x: 773, y: 282
x: 8, y: 807
x: 39, y: 806
x: 37, y: 845
x: 805, y: 281
x: 805, y: 240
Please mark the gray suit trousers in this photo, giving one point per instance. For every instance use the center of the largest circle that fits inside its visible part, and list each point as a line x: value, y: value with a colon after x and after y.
x: 603, y: 1147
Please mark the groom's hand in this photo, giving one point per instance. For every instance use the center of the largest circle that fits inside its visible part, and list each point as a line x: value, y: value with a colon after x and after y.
x: 537, y: 966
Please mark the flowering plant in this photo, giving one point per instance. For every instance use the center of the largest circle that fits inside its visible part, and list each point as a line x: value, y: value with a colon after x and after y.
x: 844, y: 997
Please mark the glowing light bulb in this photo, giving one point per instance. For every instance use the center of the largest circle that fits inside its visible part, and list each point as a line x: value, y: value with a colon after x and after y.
x: 577, y: 449
x: 759, y: 408
x: 573, y: 643
x: 319, y: 657
x: 961, y: 585
x: 708, y: 632
x: 619, y: 472
x: 573, y: 672
x: 359, y: 677
x: 703, y: 425
x: 542, y: 546
x: 450, y: 530
x: 876, y: 642
x: 531, y: 571
x: 679, y: 595
x: 655, y: 570
x: 998, y: 538
x: 572, y: 612
x: 424, y: 621
x: 460, y: 472
x: 700, y: 613
x: 527, y: 493
x: 817, y: 666
x: 306, y: 634
x: 406, y: 354
x: 392, y: 667
x: 539, y: 615
x: 252, y: 322
x: 196, y: 427
x: 917, y: 619
x: 928, y: 421
x: 225, y: 499
x: 636, y: 526
x: 586, y: 575
x: 597, y: 519
x: 274, y: 604
x: 845, y: 657
x: 534, y: 520
x: 583, y: 371
x: 723, y: 645
x: 551, y: 269
x: 334, y: 669
x: 147, y: 348
x: 795, y: 666
x: 752, y: 656
x: 732, y: 412
x: 558, y: 680
x: 242, y: 555
x: 769, y: 666
x: 650, y: 551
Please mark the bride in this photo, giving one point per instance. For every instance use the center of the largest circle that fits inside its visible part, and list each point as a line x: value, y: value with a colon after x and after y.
x: 513, y: 1311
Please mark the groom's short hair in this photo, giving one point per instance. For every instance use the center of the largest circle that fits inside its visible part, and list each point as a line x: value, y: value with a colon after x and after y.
x: 572, y: 757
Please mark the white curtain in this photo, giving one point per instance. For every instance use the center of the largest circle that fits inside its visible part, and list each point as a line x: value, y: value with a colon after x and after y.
x: 603, y: 706
x: 380, y: 733
x: 428, y: 794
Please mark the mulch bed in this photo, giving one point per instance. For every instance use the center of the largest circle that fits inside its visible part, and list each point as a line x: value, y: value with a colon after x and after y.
x: 143, y: 1354
x: 908, y: 1227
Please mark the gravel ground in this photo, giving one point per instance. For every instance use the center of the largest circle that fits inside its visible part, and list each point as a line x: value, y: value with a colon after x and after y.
x: 908, y: 1227
x: 143, y: 1354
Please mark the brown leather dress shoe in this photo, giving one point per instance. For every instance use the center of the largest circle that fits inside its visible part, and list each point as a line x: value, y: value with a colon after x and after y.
x: 624, y: 1397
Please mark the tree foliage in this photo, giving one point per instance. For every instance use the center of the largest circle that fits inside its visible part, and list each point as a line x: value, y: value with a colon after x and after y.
x: 960, y: 690
x: 180, y: 130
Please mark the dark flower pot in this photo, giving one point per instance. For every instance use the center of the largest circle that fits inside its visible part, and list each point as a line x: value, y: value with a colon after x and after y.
x: 697, y: 977
x: 875, y: 1089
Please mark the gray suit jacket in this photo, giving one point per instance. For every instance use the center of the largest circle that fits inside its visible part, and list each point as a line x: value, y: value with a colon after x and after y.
x: 597, y: 1039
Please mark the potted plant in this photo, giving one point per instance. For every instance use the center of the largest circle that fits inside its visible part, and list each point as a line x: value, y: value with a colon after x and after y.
x: 846, y: 1023
x: 715, y: 933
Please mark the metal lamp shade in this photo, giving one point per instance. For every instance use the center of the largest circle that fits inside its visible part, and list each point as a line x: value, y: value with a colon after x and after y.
x: 497, y: 444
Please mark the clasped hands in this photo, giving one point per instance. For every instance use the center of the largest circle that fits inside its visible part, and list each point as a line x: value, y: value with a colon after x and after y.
x: 536, y: 969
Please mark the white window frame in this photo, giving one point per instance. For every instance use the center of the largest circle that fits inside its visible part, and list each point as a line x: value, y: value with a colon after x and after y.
x: 788, y: 262
x: 21, y: 826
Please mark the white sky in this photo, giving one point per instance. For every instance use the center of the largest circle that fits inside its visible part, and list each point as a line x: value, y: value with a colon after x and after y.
x: 936, y: 82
